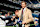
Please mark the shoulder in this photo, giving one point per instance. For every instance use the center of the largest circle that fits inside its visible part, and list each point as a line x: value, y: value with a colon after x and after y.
x: 20, y: 9
x: 28, y: 10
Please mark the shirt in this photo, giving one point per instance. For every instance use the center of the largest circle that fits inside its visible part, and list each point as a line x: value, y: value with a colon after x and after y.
x: 24, y: 9
x: 22, y: 14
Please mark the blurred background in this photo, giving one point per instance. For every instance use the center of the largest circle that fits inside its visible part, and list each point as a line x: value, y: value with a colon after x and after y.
x: 10, y: 6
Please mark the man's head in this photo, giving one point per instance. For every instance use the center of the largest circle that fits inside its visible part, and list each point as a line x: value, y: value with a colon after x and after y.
x: 23, y: 4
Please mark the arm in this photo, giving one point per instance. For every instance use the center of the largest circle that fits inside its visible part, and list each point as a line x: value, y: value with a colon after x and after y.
x: 6, y: 18
x: 30, y: 17
x: 3, y: 18
x: 18, y: 14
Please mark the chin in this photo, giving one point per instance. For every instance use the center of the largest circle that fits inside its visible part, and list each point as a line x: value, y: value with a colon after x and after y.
x: 23, y: 7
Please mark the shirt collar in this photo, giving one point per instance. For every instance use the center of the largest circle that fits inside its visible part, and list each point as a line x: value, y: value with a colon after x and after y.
x: 24, y: 8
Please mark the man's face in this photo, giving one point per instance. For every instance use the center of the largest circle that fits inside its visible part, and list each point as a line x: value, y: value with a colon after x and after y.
x: 23, y: 5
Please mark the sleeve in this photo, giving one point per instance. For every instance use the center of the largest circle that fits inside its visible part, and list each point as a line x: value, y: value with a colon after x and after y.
x: 19, y: 15
x: 3, y: 18
x: 30, y: 17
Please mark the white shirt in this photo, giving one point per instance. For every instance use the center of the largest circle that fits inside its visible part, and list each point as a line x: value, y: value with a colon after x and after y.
x: 3, y: 16
x: 24, y: 9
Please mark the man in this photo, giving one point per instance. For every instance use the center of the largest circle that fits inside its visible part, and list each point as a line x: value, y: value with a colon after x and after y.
x: 25, y: 14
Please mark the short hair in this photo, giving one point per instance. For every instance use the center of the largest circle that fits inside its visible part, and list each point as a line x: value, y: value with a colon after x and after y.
x: 23, y: 2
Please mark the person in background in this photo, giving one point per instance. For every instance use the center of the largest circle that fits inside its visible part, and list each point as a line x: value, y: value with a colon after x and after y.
x: 16, y: 17
x: 2, y: 22
x: 16, y: 14
x: 25, y: 14
x: 10, y: 19
x: 2, y: 16
x: 36, y: 22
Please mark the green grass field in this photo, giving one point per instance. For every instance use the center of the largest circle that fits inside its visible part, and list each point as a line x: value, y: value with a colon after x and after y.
x: 18, y: 24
